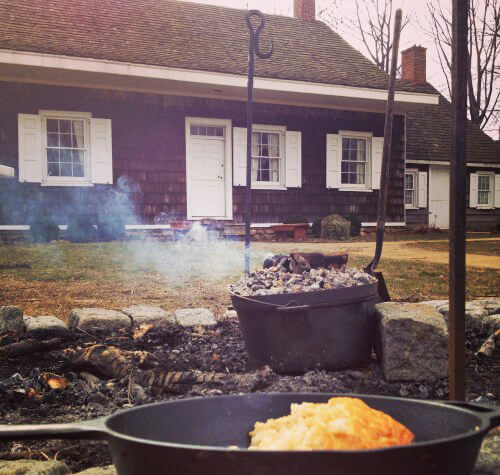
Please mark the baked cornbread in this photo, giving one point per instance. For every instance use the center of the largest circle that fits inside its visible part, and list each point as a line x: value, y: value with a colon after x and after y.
x: 343, y: 423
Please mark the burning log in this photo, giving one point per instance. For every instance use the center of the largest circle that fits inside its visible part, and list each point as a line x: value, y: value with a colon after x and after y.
x: 119, y: 364
x: 29, y: 346
x: 299, y: 262
x: 489, y: 346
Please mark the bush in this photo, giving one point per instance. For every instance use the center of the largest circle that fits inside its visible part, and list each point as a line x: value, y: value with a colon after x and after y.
x: 43, y: 229
x: 355, y: 225
x: 295, y: 220
x: 81, y: 229
x: 110, y: 227
x: 335, y: 227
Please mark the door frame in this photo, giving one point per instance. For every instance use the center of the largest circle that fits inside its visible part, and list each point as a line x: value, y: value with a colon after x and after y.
x: 228, y: 164
x: 432, y: 169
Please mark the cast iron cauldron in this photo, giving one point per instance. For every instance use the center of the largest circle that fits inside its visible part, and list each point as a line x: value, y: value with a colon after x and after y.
x: 192, y: 436
x: 297, y: 332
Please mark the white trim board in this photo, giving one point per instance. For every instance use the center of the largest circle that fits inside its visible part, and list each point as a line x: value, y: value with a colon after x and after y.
x: 7, y: 172
x: 182, y: 79
x: 447, y: 164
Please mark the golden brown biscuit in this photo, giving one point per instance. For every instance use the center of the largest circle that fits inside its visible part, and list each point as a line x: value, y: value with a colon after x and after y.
x: 343, y: 423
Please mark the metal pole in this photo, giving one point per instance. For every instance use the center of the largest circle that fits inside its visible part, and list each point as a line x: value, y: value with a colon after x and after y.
x: 253, y: 48
x: 456, y: 341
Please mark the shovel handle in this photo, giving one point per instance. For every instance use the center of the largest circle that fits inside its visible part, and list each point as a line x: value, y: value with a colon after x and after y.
x: 94, y: 429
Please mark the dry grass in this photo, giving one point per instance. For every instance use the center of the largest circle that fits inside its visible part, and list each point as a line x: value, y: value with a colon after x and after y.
x: 65, y: 276
x: 486, y: 248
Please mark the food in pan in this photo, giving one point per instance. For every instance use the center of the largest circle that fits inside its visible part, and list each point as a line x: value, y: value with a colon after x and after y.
x: 343, y: 423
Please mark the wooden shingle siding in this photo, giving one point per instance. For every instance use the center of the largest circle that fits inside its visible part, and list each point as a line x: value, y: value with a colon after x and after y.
x: 149, y: 153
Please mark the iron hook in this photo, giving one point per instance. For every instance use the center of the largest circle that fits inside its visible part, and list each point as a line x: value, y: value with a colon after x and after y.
x: 255, y: 34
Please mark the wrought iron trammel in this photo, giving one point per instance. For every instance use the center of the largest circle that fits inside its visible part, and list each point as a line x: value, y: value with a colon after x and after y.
x: 253, y: 49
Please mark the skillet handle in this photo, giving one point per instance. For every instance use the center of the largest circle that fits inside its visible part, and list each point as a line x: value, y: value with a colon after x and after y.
x: 491, y: 412
x: 93, y: 429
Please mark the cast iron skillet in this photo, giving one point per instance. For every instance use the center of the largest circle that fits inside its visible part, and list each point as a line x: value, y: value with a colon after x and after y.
x: 192, y: 436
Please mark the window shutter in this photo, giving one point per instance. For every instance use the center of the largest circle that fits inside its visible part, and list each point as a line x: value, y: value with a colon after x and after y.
x: 293, y: 159
x: 377, y: 149
x: 497, y: 191
x: 422, y: 189
x: 101, y: 155
x: 239, y: 156
x: 473, y: 191
x: 333, y: 153
x: 30, y: 147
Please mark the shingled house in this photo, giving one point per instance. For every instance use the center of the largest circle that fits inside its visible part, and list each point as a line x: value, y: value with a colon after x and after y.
x: 148, y: 98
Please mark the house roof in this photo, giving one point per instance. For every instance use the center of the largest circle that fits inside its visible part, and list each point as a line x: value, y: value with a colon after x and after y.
x: 187, y: 35
x: 429, y: 136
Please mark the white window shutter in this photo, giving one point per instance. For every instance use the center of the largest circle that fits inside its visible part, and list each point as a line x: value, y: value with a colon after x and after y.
x: 377, y: 149
x: 239, y: 156
x: 497, y: 191
x: 422, y: 189
x: 101, y: 151
x: 333, y: 154
x: 293, y: 159
x: 473, y: 191
x: 30, y: 147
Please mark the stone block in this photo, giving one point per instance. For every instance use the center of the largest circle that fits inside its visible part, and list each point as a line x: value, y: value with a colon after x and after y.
x: 108, y: 470
x: 189, y: 317
x: 89, y: 319
x: 414, y: 342
x: 33, y: 467
x: 11, y: 320
x: 148, y: 314
x: 45, y: 326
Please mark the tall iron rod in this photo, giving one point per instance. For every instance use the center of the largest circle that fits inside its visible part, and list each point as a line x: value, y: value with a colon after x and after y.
x: 386, y: 153
x: 456, y: 341
x: 253, y: 48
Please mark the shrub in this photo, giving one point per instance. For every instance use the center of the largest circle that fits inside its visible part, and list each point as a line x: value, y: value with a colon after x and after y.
x: 355, y: 225
x: 81, y: 229
x: 44, y: 229
x: 295, y: 220
x: 110, y: 227
x: 335, y: 227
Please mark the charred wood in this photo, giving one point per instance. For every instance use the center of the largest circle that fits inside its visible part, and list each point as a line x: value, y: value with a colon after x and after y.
x: 29, y: 346
x: 144, y: 369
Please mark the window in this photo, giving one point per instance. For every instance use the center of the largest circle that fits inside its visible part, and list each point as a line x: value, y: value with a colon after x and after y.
x: 411, y: 189
x: 66, y: 147
x: 485, y: 190
x: 207, y: 130
x: 354, y: 163
x: 266, y: 157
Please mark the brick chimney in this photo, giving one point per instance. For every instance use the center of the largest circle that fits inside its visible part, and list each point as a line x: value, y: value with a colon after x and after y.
x: 304, y: 10
x: 413, y: 60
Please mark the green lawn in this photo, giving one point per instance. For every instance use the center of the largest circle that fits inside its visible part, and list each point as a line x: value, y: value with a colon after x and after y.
x: 62, y: 276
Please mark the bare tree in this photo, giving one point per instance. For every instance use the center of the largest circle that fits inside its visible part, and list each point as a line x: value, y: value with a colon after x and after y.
x: 484, y: 54
x: 369, y: 20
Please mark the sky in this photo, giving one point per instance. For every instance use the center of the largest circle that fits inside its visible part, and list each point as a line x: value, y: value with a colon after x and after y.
x: 414, y: 32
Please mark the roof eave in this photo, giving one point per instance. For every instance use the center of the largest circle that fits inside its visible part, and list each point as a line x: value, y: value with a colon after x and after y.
x: 98, y: 73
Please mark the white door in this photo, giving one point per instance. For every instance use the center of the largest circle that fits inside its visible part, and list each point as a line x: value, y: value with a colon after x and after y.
x: 206, y: 169
x: 439, y: 197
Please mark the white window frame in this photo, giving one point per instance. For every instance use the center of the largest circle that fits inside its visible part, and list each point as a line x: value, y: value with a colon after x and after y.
x: 413, y: 172
x: 491, y: 201
x: 64, y: 180
x: 266, y: 185
x: 352, y: 134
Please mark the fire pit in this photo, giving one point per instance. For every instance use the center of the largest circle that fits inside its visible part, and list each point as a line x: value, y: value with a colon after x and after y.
x: 296, y: 318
